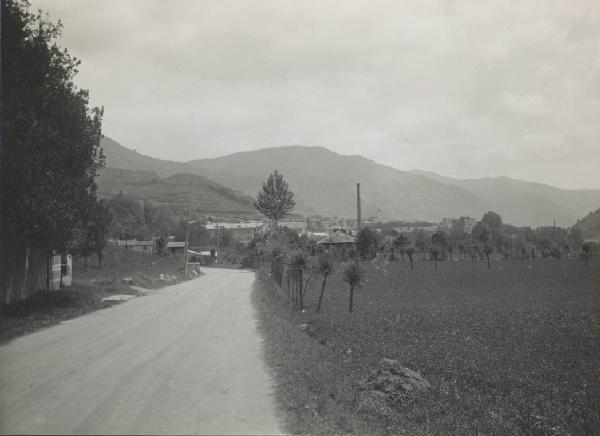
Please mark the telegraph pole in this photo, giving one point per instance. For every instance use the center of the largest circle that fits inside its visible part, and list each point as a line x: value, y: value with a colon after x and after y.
x: 358, y: 217
x: 218, y: 240
x: 185, y: 252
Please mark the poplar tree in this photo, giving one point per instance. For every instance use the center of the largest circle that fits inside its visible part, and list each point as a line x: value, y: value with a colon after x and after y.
x: 275, y: 200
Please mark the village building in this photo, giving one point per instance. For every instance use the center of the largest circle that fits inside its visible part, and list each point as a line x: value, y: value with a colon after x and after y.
x: 297, y: 226
x: 175, y: 247
x: 135, y: 245
x: 338, y: 244
x: 406, y: 229
x: 242, y: 232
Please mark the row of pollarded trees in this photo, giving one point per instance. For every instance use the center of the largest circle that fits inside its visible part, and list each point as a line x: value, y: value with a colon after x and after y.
x: 490, y: 236
x: 295, y: 260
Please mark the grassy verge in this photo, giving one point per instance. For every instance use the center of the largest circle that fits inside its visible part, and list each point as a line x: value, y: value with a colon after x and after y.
x: 89, y: 287
x: 311, y: 400
x: 511, y: 350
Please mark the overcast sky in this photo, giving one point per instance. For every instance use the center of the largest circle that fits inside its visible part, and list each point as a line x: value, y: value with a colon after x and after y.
x: 463, y: 88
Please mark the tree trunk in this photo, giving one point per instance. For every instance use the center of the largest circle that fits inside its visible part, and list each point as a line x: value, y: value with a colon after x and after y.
x: 351, y: 299
x: 435, y: 263
x: 100, y: 258
x: 300, y: 297
x: 48, y: 273
x: 306, y: 285
x: 60, y: 283
x: 487, y: 256
x: 85, y: 262
x: 410, y: 259
x: 322, y: 292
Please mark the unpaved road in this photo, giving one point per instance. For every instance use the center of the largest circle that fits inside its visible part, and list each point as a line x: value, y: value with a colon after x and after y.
x: 184, y: 360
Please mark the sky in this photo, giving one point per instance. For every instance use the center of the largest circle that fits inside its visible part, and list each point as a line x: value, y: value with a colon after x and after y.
x: 462, y: 88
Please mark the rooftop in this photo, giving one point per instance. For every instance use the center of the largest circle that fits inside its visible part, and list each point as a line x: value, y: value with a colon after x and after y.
x: 337, y: 238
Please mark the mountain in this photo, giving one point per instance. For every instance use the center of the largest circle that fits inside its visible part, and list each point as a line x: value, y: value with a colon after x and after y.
x: 526, y: 203
x: 590, y: 225
x: 325, y: 183
x: 120, y: 157
x: 166, y: 182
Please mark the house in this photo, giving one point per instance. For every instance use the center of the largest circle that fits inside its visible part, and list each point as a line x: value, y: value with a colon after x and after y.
x: 338, y: 244
x: 175, y: 247
x: 62, y: 271
x: 467, y: 222
x: 297, y: 226
x: 406, y: 229
x: 242, y: 232
x: 135, y: 245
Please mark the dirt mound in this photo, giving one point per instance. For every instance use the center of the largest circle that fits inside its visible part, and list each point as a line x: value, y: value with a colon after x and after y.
x: 389, y: 383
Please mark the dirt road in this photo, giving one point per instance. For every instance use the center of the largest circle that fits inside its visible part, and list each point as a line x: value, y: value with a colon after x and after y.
x: 185, y: 359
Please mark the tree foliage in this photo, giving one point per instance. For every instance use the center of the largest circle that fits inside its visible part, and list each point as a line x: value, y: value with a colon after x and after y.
x: 354, y: 276
x: 50, y: 139
x: 275, y: 200
x: 367, y: 242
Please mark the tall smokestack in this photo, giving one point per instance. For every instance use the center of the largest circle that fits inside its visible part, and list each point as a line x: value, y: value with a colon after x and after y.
x: 358, y: 218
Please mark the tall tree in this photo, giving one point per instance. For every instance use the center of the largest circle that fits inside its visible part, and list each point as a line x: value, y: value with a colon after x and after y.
x: 50, y: 145
x: 275, y: 200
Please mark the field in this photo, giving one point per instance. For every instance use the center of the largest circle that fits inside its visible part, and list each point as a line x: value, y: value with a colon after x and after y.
x: 510, y: 350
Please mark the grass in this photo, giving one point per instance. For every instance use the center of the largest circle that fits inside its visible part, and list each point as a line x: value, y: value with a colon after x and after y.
x: 513, y: 349
x: 89, y: 287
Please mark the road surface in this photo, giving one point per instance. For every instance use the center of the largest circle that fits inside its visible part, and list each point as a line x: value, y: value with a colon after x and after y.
x: 183, y: 360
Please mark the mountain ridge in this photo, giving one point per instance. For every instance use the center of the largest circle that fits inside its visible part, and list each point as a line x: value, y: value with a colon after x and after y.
x: 325, y: 183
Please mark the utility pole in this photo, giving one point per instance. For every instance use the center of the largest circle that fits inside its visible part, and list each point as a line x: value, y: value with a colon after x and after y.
x: 358, y: 217
x: 185, y: 252
x: 218, y: 240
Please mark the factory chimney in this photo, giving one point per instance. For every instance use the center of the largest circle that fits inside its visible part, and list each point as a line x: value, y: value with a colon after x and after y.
x: 358, y: 218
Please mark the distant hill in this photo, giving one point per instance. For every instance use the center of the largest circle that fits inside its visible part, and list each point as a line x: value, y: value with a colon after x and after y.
x: 120, y: 157
x: 590, y: 225
x: 325, y: 183
x: 526, y: 203
x: 181, y: 192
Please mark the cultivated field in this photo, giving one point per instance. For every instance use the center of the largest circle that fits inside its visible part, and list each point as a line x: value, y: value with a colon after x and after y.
x: 514, y: 349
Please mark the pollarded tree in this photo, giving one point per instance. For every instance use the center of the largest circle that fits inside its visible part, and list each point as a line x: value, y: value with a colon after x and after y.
x: 275, y: 200
x: 435, y: 254
x: 440, y: 240
x: 400, y: 243
x: 298, y: 262
x: 586, y: 248
x: 487, y: 250
x: 354, y: 276
x: 409, y: 252
x: 325, y: 267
